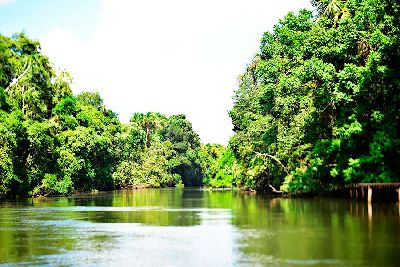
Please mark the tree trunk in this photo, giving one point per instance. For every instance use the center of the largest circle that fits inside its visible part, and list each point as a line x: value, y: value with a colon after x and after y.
x: 148, y: 134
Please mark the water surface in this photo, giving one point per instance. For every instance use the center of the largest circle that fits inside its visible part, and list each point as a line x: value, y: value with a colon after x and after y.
x: 175, y: 227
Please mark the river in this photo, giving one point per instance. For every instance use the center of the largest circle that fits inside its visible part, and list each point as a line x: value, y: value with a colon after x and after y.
x: 191, y: 227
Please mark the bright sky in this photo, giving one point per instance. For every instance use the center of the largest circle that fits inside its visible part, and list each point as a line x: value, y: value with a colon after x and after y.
x: 169, y: 56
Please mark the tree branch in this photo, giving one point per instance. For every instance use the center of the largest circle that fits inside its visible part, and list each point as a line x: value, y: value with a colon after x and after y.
x: 274, y: 190
x: 20, y: 76
x: 274, y: 158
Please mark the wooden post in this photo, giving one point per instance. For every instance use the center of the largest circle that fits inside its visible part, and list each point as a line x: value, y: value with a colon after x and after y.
x: 356, y: 192
x: 362, y: 193
x: 351, y: 192
x: 369, y: 194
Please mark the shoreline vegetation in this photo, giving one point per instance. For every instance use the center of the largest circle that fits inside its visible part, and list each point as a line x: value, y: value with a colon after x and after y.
x: 317, y: 109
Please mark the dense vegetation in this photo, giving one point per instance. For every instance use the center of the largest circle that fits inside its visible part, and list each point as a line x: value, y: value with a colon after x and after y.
x: 319, y: 106
x: 52, y: 142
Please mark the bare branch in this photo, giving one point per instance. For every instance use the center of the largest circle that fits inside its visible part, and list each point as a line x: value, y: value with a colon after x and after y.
x: 274, y: 158
x: 274, y: 190
x: 20, y: 76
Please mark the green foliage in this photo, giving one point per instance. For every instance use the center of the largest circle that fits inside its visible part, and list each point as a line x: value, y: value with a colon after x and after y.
x: 7, y: 144
x: 67, y: 106
x: 4, y: 105
x: 158, y: 151
x: 317, y: 108
x: 322, y: 100
x: 50, y: 184
x: 40, y: 157
x: 209, y: 155
x: 227, y: 170
x: 186, y: 145
x: 52, y: 142
x: 90, y: 99
x: 220, y: 166
x: 151, y: 170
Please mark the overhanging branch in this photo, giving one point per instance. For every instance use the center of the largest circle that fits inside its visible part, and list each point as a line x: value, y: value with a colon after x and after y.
x: 274, y: 158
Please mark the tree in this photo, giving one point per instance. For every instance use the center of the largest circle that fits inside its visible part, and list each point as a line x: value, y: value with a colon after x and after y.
x: 186, y: 144
x: 151, y: 122
x: 91, y: 99
x: 320, y: 98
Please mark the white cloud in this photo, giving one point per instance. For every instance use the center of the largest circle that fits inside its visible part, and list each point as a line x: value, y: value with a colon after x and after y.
x: 63, y: 48
x: 173, y: 56
x: 6, y: 2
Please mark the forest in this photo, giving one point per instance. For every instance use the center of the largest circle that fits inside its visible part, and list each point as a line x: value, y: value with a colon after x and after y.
x: 317, y: 108
x: 53, y: 142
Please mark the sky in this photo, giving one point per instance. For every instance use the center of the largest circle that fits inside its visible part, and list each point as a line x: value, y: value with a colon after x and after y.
x: 167, y: 56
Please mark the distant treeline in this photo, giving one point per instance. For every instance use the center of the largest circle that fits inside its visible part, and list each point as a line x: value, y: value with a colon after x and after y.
x: 319, y: 105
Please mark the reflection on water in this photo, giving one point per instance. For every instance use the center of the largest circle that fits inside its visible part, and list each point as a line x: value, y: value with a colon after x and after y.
x: 173, y: 227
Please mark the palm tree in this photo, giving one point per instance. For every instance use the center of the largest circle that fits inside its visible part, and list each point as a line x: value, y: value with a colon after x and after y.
x: 335, y: 9
x: 150, y: 121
